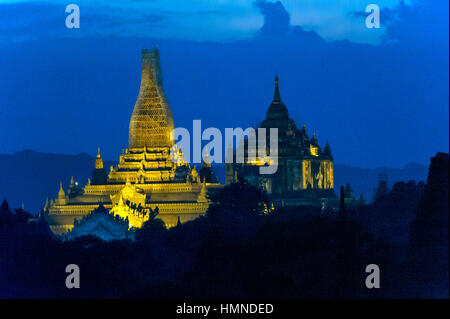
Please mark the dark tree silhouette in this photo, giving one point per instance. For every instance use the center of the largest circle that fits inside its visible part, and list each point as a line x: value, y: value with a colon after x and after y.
x: 429, y: 255
x: 4, y: 207
x: 237, y: 203
x: 342, y: 213
x: 152, y: 229
x: 239, y: 250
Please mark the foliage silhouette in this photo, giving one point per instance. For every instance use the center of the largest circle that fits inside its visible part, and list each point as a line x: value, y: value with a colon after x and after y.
x: 240, y: 250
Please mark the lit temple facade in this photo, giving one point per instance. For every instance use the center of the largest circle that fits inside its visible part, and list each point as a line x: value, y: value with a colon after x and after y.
x: 146, y: 178
x: 305, y: 170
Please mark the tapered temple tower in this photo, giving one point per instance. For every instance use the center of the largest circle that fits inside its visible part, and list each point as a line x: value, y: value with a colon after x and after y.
x: 152, y: 121
x: 147, y: 178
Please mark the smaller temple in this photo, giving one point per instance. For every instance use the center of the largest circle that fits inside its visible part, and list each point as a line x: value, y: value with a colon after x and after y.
x: 305, y: 170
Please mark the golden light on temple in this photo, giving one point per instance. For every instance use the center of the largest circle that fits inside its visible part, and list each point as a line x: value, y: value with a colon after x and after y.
x: 146, y: 177
x: 98, y: 160
x: 314, y: 150
x: 259, y: 161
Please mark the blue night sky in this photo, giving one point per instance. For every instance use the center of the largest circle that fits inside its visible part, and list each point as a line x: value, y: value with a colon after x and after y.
x: 380, y: 96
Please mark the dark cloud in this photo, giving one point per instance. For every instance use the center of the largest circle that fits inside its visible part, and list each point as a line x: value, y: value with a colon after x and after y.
x: 277, y: 25
x: 276, y: 18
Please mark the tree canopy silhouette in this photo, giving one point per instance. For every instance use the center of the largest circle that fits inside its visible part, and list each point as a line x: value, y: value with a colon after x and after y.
x: 237, y: 203
x: 151, y: 229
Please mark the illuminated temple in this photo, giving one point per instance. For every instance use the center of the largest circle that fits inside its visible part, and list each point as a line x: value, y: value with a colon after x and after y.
x: 146, y: 179
x: 305, y: 170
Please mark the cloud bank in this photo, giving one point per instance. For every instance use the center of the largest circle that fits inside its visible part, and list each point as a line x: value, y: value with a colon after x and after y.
x: 198, y: 20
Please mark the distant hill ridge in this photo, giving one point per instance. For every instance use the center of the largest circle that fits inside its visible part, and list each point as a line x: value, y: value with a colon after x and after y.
x: 30, y: 177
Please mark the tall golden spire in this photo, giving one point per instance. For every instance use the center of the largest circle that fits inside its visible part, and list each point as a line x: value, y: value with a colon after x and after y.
x: 151, y: 123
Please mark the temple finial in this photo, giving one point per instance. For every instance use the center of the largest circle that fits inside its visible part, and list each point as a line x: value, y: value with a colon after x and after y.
x: 202, y: 198
x: 61, y: 193
x: 98, y: 160
x: 314, y: 140
x: 276, y: 94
